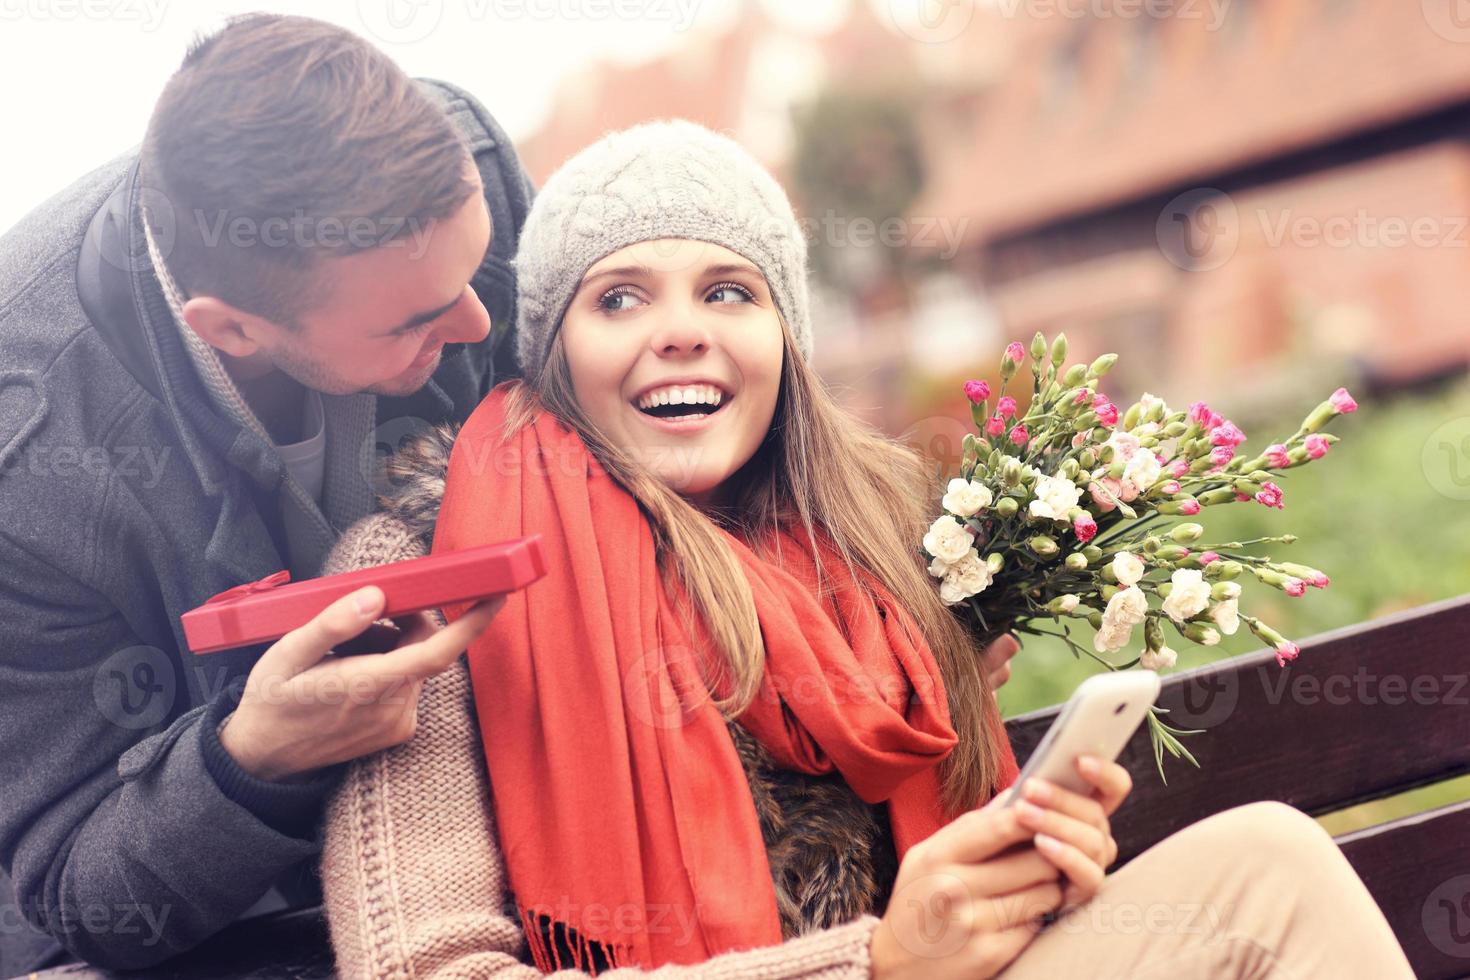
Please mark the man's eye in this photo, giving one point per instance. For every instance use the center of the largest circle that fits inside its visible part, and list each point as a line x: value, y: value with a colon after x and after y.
x: 729, y: 292
x: 618, y: 298
x: 417, y: 329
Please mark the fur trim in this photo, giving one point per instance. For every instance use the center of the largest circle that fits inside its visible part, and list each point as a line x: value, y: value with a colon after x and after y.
x: 832, y: 855
x: 414, y: 480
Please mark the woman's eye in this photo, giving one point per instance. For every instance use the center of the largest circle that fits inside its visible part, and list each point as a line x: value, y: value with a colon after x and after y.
x: 729, y: 292
x: 620, y: 298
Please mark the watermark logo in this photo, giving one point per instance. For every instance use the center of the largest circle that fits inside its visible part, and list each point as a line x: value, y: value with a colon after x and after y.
x: 649, y: 692
x: 931, y: 21
x: 400, y: 21
x: 135, y: 688
x: 1446, y: 917
x: 1205, y: 700
x: 1450, y: 19
x: 1199, y: 230
x: 1445, y: 459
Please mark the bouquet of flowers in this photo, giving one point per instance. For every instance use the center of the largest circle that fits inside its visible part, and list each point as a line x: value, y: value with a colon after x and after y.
x: 1070, y: 514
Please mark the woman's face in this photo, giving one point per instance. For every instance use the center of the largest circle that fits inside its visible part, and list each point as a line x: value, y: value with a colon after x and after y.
x: 675, y: 349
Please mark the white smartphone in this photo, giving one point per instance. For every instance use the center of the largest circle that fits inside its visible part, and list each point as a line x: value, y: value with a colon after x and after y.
x: 1098, y: 719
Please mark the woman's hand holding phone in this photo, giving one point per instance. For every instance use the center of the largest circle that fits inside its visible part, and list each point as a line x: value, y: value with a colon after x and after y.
x: 972, y: 896
x: 1073, y: 831
x: 303, y: 709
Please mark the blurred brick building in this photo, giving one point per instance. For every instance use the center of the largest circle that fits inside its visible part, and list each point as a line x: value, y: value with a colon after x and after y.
x: 1272, y: 187
x: 1242, y: 197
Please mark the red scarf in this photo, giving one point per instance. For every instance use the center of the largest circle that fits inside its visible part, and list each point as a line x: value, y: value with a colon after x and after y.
x: 621, y: 806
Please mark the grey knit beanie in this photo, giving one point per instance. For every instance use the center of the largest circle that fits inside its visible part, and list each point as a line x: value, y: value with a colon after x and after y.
x: 657, y: 180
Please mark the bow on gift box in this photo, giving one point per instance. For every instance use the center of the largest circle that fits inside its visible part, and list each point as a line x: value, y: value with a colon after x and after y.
x: 252, y: 588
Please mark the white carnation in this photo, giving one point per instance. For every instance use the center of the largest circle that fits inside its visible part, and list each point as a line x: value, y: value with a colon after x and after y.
x: 1112, y: 637
x: 966, y: 497
x: 1161, y: 659
x: 1069, y: 602
x: 1227, y: 590
x: 966, y: 577
x: 1143, y: 469
x: 1226, y: 615
x: 1055, y: 496
x: 1127, y: 607
x: 947, y: 540
x: 1128, y: 568
x: 1190, y: 595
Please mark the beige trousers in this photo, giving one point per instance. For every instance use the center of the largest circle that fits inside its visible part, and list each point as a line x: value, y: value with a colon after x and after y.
x: 1260, y: 891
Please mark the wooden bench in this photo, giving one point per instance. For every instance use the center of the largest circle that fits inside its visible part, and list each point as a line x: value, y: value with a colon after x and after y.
x: 1366, y: 712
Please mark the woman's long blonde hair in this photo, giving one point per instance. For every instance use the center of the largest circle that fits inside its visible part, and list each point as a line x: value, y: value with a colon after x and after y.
x: 820, y: 469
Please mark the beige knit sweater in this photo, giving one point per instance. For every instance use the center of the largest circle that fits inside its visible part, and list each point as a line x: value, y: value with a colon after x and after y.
x: 414, y: 880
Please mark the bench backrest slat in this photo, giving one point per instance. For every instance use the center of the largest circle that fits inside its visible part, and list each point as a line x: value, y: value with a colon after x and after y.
x: 1364, y: 712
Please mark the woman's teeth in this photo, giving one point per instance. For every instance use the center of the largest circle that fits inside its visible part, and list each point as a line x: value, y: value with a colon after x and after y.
x: 681, y: 395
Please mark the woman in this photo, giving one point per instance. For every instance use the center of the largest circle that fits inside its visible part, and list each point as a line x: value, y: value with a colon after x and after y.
x: 734, y: 726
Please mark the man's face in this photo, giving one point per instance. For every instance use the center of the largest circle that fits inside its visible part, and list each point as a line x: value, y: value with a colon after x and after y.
x: 390, y: 310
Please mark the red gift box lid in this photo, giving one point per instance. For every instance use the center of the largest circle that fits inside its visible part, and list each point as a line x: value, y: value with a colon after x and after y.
x: 272, y: 607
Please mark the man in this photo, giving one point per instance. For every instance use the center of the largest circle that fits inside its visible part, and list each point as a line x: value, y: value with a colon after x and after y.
x: 201, y: 346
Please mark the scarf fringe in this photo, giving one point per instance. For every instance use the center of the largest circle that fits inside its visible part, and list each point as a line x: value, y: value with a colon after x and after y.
x: 586, y: 955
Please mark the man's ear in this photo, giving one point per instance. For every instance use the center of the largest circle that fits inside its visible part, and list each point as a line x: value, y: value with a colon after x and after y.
x: 225, y: 327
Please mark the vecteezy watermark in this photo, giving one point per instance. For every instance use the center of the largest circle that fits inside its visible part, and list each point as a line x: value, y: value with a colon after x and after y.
x: 1450, y: 19
x: 93, y: 918
x: 1099, y: 917
x: 1211, y: 12
x: 1201, y: 229
x: 931, y: 21
x: 135, y: 688
x: 148, y: 14
x: 410, y: 21
x: 141, y: 464
x: 841, y: 231
x: 1445, y: 916
x: 1446, y: 458
x: 1366, y: 687
x: 303, y: 231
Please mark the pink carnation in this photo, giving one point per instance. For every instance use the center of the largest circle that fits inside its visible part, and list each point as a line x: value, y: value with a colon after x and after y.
x: 1286, y: 651
x: 1015, y: 352
x: 977, y: 391
x: 1178, y: 469
x: 1295, y: 588
x: 1242, y: 497
x: 1276, y: 456
x: 1200, y: 412
x: 1342, y: 402
x: 1006, y: 407
x: 1208, y: 556
x: 1317, y: 446
x: 1107, y: 413
x: 1172, y: 487
x: 1320, y: 582
x: 1227, y: 434
x: 1270, y: 495
x: 1105, y: 501
x: 1019, y: 435
x: 995, y: 426
x: 1221, y: 456
x: 1189, y: 508
x: 1085, y: 527
x: 1081, y: 397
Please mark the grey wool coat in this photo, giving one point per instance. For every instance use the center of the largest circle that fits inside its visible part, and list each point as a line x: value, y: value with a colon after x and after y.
x: 126, y: 499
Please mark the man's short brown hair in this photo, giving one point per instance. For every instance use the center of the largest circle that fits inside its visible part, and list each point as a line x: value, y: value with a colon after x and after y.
x: 282, y: 141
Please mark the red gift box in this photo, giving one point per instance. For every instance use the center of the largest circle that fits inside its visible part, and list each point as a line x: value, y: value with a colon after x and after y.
x: 270, y: 608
